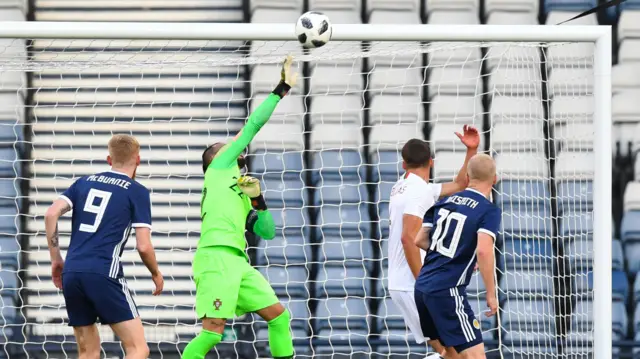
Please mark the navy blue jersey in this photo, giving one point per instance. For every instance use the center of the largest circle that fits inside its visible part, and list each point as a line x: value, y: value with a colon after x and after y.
x: 455, y: 222
x: 105, y: 208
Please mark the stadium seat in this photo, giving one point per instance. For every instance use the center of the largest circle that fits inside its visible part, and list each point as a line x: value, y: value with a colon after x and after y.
x: 277, y: 164
x: 336, y: 80
x: 523, y: 223
x: 336, y: 137
x: 471, y: 6
x: 340, y: 5
x: 571, y: 109
x: 8, y: 310
x: 381, y: 16
x: 273, y: 15
x: 574, y: 136
x: 450, y: 54
x: 519, y: 166
x: 531, y: 284
x: 339, y: 109
x: 9, y: 282
x: 284, y: 192
x: 527, y: 254
x: 567, y: 81
x: 336, y: 279
x: 525, y: 136
x: 617, y: 255
x: 337, y: 164
x: 346, y: 251
x: 630, y: 228
x: 343, y: 313
x: 556, y: 17
x: 476, y: 288
x: 400, y: 5
x: 628, y: 27
x: 628, y: 51
x: 580, y: 253
x: 507, y: 109
x: 570, y: 55
x: 454, y: 81
x: 284, y: 250
x: 513, y: 7
x: 504, y: 56
x: 287, y: 281
x: 524, y: 81
x: 389, y: 316
x: 386, y: 137
x: 632, y: 197
x: 396, y: 110
x: 569, y: 5
x: 575, y: 196
x: 505, y: 17
x: 344, y: 220
x: 10, y: 253
x: 446, y: 165
x: 276, y: 4
x: 10, y: 192
x: 262, y: 75
x: 455, y: 109
x: 529, y: 194
x: 388, y: 80
x: 389, y: 53
x: 387, y: 166
x: 574, y: 165
x: 339, y: 192
x: 624, y: 77
x: 279, y: 136
x: 528, y: 320
x: 10, y: 165
x: 625, y: 114
x: 290, y: 221
x: 577, y: 225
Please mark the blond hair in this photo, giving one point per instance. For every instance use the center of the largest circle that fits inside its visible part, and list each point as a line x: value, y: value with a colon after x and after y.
x: 123, y: 149
x: 481, y: 168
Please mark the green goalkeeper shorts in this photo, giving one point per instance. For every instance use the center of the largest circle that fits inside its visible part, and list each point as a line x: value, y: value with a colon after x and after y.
x: 227, y: 285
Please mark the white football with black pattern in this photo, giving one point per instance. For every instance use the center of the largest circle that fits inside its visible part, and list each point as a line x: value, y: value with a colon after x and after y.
x: 313, y: 29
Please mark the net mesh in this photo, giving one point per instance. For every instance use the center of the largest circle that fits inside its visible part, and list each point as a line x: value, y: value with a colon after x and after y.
x: 327, y: 161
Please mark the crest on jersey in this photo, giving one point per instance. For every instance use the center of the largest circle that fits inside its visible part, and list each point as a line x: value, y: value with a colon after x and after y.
x: 476, y: 324
x: 217, y: 303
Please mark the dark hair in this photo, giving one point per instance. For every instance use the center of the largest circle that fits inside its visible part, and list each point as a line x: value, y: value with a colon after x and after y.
x: 209, y: 153
x: 416, y: 153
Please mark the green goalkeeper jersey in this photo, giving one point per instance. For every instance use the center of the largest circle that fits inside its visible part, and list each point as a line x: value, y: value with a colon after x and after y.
x: 224, y: 208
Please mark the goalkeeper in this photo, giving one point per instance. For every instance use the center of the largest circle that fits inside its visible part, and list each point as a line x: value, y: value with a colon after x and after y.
x: 226, y: 284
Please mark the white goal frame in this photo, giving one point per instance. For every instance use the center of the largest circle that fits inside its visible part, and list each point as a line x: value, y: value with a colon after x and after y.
x: 600, y: 36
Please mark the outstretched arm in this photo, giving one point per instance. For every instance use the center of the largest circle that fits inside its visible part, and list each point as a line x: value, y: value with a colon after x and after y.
x: 471, y: 139
x: 260, y: 222
x: 229, y: 153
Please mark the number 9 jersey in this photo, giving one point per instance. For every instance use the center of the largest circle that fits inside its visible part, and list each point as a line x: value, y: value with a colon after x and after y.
x: 455, y: 222
x: 105, y: 208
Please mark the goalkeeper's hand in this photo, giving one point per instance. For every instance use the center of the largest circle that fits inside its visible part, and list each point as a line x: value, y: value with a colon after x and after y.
x: 249, y: 186
x: 288, y: 78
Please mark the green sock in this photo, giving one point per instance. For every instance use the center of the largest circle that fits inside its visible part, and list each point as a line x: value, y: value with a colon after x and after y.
x: 199, y: 346
x: 280, y: 341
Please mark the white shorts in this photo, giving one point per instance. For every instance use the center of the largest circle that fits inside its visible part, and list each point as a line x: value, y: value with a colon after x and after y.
x: 407, y: 306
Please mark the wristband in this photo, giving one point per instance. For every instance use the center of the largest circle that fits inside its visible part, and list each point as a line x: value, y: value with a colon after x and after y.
x: 258, y: 203
x: 282, y: 89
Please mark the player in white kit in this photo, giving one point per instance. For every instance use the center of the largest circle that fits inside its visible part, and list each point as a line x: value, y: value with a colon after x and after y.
x: 411, y: 197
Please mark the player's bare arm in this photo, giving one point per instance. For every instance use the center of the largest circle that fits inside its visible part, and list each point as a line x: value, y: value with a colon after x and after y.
x: 422, y: 238
x: 148, y: 256
x: 471, y: 139
x: 486, y: 265
x: 410, y: 227
x: 54, y: 212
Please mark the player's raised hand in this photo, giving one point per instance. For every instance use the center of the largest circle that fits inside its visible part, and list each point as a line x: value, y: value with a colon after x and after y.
x: 492, y: 303
x: 469, y: 137
x: 158, y: 280
x: 287, y: 75
x: 249, y: 186
x: 56, y: 273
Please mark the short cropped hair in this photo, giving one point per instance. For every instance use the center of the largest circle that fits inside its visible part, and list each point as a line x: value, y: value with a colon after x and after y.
x: 481, y: 168
x: 123, y: 149
x: 209, y: 154
x: 416, y: 153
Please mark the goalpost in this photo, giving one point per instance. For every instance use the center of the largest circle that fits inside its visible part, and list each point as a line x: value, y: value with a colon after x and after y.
x: 327, y: 160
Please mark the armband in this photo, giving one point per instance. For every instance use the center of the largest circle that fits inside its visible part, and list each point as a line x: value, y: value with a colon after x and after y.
x: 252, y: 218
x: 282, y: 89
x: 258, y: 203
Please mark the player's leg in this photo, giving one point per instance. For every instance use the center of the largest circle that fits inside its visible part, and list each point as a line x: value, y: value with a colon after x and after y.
x: 217, y: 286
x: 256, y: 295
x: 88, y: 340
x: 457, y: 327
x: 82, y: 315
x: 405, y: 302
x: 131, y: 334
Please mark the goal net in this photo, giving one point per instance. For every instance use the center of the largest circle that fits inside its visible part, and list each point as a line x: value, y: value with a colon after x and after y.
x: 327, y: 160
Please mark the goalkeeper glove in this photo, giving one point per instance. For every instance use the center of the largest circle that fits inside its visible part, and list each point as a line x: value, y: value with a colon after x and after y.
x: 288, y: 78
x: 251, y: 187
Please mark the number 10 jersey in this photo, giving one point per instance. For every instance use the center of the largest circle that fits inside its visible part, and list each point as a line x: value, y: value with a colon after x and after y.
x: 105, y: 208
x: 455, y: 222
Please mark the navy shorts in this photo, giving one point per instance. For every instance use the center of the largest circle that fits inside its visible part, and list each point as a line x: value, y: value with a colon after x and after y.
x: 90, y: 297
x: 447, y: 316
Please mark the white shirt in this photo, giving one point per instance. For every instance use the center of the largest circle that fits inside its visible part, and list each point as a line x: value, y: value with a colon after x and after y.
x: 410, y: 195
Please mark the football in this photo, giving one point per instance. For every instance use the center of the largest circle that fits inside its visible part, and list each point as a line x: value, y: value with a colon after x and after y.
x: 313, y: 29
